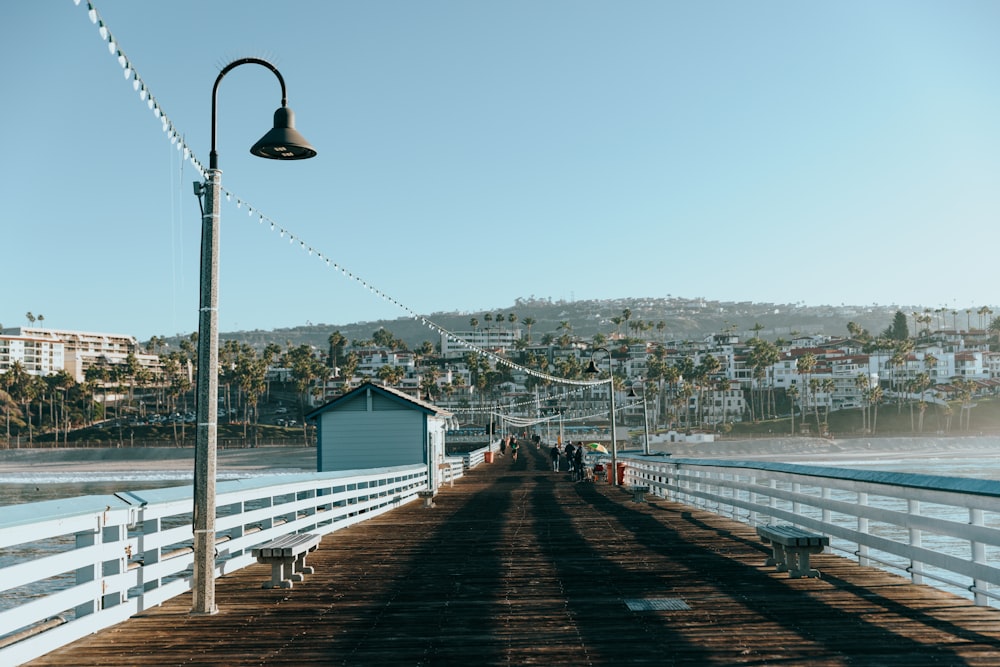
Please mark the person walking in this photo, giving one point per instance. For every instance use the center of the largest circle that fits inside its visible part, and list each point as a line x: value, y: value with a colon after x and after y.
x: 554, y: 454
x: 514, y: 446
x: 569, y: 455
x: 578, y: 462
x: 503, y: 445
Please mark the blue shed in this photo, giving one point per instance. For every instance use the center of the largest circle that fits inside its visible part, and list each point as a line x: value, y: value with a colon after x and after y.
x: 374, y: 427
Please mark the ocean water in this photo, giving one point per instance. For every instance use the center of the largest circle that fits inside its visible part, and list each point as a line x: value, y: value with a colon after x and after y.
x: 31, y: 487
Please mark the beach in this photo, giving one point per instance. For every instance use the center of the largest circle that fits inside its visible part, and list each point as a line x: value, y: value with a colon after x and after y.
x: 294, y: 459
x: 154, y: 459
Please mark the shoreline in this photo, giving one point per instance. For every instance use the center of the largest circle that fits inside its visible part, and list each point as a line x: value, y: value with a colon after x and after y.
x: 303, y: 459
x: 154, y: 459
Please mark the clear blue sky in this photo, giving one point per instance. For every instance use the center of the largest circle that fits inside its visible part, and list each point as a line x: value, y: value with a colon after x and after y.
x: 471, y: 153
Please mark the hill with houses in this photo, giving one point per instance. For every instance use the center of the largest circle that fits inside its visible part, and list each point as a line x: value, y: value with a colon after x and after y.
x: 668, y: 318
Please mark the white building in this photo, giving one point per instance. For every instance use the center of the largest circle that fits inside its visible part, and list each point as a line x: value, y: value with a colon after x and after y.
x: 495, y: 338
x: 38, y: 356
x: 53, y: 350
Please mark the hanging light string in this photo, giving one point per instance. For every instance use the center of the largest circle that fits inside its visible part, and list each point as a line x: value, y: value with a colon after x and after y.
x: 521, y: 404
x: 138, y: 85
x: 177, y: 139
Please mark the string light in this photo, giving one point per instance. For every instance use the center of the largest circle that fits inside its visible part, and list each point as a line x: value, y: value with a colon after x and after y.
x: 175, y: 138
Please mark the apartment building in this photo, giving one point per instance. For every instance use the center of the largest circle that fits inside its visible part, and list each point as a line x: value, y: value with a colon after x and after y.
x: 53, y: 350
x: 38, y: 356
x: 456, y: 344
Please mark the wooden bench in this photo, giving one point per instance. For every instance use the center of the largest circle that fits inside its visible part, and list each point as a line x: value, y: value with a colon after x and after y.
x: 639, y: 492
x: 790, y: 549
x: 287, y: 556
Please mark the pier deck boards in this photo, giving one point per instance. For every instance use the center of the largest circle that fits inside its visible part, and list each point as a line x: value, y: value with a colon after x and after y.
x: 516, y: 565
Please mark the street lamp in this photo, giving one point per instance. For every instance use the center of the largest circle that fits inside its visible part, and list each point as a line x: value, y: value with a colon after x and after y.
x: 282, y: 142
x: 645, y: 417
x: 592, y: 368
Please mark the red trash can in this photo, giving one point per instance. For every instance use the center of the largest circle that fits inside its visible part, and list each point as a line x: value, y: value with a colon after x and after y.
x: 621, y: 474
x: 488, y: 457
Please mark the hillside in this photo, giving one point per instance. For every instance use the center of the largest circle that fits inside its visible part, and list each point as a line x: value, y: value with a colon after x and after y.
x: 683, y: 319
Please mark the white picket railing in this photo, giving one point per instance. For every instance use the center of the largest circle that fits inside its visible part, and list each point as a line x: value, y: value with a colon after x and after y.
x: 71, y: 567
x: 942, y: 529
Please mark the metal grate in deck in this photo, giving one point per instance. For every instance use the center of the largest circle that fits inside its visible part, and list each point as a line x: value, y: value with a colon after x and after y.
x: 657, y: 604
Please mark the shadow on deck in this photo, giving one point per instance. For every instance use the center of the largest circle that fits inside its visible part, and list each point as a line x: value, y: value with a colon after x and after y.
x: 517, y: 565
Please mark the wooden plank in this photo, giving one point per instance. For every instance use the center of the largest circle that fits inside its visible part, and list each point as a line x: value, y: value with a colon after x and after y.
x: 519, y: 565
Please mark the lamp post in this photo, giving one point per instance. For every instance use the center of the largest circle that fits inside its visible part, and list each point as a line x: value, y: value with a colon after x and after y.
x: 282, y: 142
x: 645, y: 417
x: 592, y: 368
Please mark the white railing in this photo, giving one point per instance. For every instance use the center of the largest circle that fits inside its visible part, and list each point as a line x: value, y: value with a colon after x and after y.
x: 942, y: 529
x: 71, y: 567
x: 477, y: 456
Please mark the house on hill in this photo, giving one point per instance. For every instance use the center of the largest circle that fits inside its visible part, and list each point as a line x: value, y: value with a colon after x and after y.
x: 376, y: 427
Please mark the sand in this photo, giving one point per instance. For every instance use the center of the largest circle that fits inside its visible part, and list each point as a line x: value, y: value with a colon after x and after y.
x: 152, y: 459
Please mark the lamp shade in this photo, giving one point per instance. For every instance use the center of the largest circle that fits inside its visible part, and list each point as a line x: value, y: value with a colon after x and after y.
x: 283, y: 142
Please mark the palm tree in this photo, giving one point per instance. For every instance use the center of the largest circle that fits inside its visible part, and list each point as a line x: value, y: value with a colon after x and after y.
x: 391, y: 375
x: 529, y: 322
x: 875, y: 397
x: 428, y: 383
x: 251, y: 378
x: 805, y: 365
x: 305, y: 370
x: 336, y: 342
x: 828, y: 386
x: 792, y: 393
x: 487, y: 318
x: 30, y: 317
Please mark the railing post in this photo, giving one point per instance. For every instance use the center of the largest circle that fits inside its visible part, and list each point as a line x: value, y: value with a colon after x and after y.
x: 88, y: 573
x: 978, y: 556
x: 149, y: 556
x: 863, y: 549
x: 916, y: 538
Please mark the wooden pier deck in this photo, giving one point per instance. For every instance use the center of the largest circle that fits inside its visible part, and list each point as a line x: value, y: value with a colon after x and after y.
x: 517, y: 565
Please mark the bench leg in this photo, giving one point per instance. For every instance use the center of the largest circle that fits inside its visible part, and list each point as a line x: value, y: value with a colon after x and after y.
x: 300, y: 565
x: 779, y: 557
x: 800, y: 565
x: 278, y: 578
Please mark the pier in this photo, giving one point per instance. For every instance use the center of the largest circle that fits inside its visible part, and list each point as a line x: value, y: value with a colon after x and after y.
x: 518, y: 565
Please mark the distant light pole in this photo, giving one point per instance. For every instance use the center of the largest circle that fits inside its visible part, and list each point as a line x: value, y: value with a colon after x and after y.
x: 592, y: 368
x: 282, y: 142
x: 645, y: 416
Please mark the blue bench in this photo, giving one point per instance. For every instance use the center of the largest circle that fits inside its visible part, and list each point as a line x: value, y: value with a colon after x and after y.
x: 790, y: 549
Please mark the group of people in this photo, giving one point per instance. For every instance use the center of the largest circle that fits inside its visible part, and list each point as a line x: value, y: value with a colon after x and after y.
x: 511, y: 442
x: 574, y: 456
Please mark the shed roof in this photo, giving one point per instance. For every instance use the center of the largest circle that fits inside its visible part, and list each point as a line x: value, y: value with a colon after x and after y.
x: 387, y: 392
